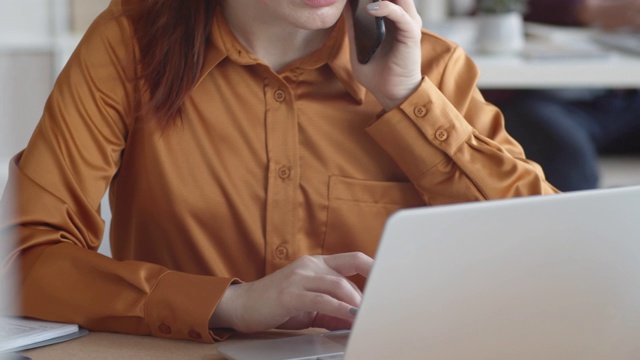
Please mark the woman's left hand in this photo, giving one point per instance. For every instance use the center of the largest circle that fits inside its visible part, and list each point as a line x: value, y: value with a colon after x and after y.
x: 394, y: 71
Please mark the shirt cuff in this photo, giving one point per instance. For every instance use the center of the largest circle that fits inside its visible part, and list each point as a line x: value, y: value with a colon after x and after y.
x: 180, y: 305
x: 422, y: 131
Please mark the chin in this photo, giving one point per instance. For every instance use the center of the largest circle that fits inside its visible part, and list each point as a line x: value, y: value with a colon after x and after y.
x: 320, y: 22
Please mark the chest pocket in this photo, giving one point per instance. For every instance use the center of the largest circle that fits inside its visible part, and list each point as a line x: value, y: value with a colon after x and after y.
x: 358, y: 210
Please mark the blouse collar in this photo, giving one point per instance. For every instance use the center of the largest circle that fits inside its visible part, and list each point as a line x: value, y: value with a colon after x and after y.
x: 334, y: 53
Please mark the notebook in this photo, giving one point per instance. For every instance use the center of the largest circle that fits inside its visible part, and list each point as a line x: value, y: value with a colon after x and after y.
x: 541, y: 277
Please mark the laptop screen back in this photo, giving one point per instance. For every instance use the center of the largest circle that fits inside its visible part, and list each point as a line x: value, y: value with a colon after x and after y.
x: 549, y: 277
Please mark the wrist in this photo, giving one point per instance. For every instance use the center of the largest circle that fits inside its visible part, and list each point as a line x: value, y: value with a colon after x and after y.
x: 225, y: 314
x: 390, y: 102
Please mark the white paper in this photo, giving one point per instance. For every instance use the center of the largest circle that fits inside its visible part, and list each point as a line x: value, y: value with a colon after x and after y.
x: 19, y: 332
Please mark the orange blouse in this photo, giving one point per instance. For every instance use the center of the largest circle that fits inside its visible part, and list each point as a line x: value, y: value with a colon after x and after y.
x: 262, y: 168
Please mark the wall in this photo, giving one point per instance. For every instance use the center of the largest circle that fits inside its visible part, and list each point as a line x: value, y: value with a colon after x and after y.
x: 25, y: 83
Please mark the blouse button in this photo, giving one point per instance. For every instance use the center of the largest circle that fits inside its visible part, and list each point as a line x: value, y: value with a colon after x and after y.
x: 284, y: 172
x: 442, y: 135
x: 420, y: 111
x: 279, y: 95
x: 165, y: 329
x: 281, y: 252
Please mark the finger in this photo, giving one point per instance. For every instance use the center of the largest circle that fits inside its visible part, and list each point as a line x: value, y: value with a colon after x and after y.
x: 331, y: 323
x: 410, y: 7
x: 348, y: 264
x: 307, y: 301
x: 336, y: 286
x: 406, y: 25
x: 333, y: 273
x: 327, y: 270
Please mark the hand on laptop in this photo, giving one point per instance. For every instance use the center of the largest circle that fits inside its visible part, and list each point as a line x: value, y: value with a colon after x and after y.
x: 313, y: 291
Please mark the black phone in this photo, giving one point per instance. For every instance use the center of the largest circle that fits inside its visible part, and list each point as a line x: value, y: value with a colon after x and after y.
x: 369, y: 30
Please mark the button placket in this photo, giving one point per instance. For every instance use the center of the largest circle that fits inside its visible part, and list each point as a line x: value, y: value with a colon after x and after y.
x: 282, y: 149
x: 282, y: 252
x: 284, y: 172
x: 279, y: 95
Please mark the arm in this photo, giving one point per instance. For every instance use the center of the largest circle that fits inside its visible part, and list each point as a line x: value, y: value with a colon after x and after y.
x: 58, y: 182
x: 453, y: 144
x: 448, y: 140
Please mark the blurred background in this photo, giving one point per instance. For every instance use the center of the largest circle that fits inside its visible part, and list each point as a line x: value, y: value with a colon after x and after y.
x: 36, y: 38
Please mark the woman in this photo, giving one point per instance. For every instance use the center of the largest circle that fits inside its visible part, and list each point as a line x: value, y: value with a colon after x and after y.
x: 243, y: 145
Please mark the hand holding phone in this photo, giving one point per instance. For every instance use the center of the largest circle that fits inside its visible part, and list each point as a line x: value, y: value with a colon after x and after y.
x: 395, y: 70
x: 369, y: 31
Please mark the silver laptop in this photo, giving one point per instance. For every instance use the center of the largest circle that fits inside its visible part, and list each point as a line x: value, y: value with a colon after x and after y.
x: 543, y: 277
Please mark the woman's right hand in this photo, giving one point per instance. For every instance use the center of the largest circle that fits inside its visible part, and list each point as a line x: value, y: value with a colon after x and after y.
x: 313, y: 291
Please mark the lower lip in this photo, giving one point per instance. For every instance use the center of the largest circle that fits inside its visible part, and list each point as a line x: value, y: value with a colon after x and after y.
x: 320, y: 3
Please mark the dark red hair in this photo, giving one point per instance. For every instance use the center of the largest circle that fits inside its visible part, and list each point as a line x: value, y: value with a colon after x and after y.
x: 172, y: 37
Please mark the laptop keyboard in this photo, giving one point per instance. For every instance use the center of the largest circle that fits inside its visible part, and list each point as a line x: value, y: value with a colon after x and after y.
x: 340, y: 337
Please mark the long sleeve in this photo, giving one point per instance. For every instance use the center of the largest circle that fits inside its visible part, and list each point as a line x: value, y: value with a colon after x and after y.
x: 452, y: 144
x: 58, y: 182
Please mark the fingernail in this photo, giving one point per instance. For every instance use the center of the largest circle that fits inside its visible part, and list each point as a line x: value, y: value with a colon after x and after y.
x: 373, y: 6
x: 353, y: 311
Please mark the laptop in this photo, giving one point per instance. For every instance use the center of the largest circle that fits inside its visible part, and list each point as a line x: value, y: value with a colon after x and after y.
x: 540, y: 277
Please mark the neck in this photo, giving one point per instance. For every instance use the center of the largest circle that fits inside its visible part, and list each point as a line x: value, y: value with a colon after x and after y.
x: 274, y: 41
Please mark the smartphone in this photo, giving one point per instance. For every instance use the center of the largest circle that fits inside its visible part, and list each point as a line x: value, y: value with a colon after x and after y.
x: 369, y: 30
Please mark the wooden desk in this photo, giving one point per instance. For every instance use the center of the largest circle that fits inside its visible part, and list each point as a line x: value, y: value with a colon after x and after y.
x: 109, y: 346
